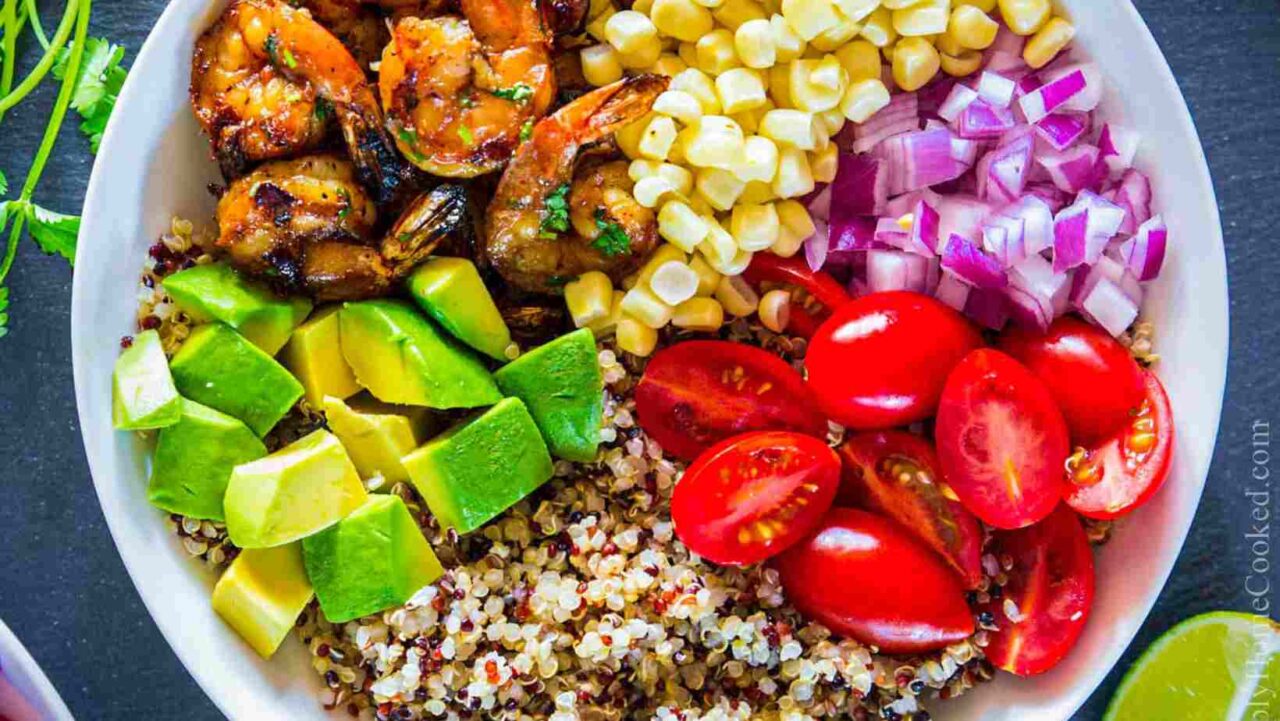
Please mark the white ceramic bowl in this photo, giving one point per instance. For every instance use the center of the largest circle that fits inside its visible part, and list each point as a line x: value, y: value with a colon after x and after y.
x: 154, y: 164
x: 20, y: 675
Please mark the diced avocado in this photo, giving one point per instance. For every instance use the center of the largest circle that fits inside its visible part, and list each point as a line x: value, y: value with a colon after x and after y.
x: 401, y: 357
x: 142, y: 393
x: 561, y: 384
x: 376, y: 439
x: 314, y: 356
x: 480, y: 468
x: 262, y: 593
x: 451, y: 291
x: 217, y: 292
x: 299, y: 490
x: 194, y: 459
x: 219, y: 368
x: 369, y: 561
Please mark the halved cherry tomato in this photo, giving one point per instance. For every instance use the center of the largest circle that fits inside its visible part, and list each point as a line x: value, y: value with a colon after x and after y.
x: 1124, y: 472
x: 864, y: 577
x: 1050, y: 593
x: 1001, y: 440
x: 750, y: 497
x: 697, y: 393
x: 896, y: 475
x: 882, y: 359
x: 1094, y: 379
x: 814, y: 295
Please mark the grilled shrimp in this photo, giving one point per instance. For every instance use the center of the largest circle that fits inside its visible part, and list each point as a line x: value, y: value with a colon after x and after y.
x: 264, y: 81
x: 460, y: 91
x: 553, y: 218
x: 355, y: 23
x: 308, y: 225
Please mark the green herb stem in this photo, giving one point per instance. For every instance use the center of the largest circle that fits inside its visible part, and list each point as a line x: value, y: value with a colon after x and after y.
x: 42, y: 68
x: 34, y: 14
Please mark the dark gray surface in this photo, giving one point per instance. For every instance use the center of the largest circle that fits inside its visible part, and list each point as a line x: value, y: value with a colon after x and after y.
x: 65, y: 592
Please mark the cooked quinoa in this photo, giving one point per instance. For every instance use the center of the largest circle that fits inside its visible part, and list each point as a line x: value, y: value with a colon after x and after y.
x: 580, y: 602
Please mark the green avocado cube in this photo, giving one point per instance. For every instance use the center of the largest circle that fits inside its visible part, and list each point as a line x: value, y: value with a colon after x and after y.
x: 401, y: 357
x: 217, y: 292
x: 377, y: 437
x: 219, y: 368
x: 299, y: 490
x: 372, y: 560
x: 143, y: 396
x: 451, y: 291
x: 562, y: 385
x: 261, y: 595
x: 314, y: 356
x: 477, y: 470
x: 194, y: 459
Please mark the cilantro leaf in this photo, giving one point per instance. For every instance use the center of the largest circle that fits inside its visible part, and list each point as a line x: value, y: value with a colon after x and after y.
x: 526, y: 130
x: 518, y: 93
x: 4, y: 183
x: 555, y: 218
x: 55, y: 233
x: 97, y: 85
x: 4, y: 306
x: 465, y: 133
x: 613, y: 240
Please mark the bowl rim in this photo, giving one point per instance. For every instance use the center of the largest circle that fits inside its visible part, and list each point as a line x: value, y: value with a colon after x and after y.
x: 27, y: 676
x: 152, y: 594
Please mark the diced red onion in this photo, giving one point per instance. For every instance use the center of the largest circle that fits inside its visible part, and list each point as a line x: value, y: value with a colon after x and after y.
x: 987, y: 308
x: 983, y: 121
x: 1144, y: 253
x: 1088, y: 99
x: 1010, y: 65
x: 900, y: 205
x: 960, y: 215
x: 1081, y: 231
x: 819, y: 203
x: 1002, y: 173
x: 1007, y: 41
x: 969, y: 263
x: 901, y: 115
x: 818, y: 246
x: 848, y: 237
x: 1109, y: 307
x: 931, y: 97
x: 923, y: 158
x: 1055, y: 94
x: 1036, y: 217
x: 1062, y: 130
x: 1005, y: 240
x: 996, y: 89
x: 1134, y: 195
x: 1050, y: 195
x: 1074, y: 169
x: 960, y: 97
x: 1037, y: 295
x: 897, y: 270
x: 952, y: 291
x: 861, y: 183
x: 924, y: 228
x: 1109, y: 269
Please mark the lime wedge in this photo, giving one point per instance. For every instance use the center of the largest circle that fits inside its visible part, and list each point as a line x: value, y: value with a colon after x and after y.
x: 1215, y: 667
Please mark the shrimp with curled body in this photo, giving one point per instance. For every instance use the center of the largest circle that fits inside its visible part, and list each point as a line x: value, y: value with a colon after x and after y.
x: 461, y: 91
x: 308, y: 226
x: 552, y: 217
x: 265, y: 81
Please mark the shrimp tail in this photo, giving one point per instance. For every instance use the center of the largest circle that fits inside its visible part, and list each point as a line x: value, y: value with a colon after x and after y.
x: 379, y: 167
x: 604, y: 111
x: 430, y: 220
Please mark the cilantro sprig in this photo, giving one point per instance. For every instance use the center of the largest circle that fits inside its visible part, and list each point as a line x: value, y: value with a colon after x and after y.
x: 518, y: 93
x: 555, y: 218
x: 613, y: 240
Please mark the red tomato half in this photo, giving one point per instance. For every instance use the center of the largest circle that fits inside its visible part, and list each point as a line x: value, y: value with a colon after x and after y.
x: 896, y: 474
x: 814, y: 295
x: 1112, y: 479
x: 754, y: 495
x: 1094, y: 379
x: 864, y: 577
x: 698, y: 393
x: 1001, y: 440
x: 1051, y: 589
x: 882, y: 359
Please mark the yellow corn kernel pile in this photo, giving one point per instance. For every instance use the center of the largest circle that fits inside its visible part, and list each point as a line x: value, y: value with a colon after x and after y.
x: 758, y: 90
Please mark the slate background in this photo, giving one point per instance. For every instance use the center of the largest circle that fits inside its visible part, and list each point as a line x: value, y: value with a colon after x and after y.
x: 64, y: 590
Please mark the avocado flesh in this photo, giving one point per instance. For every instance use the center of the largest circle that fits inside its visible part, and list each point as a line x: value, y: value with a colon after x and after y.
x: 143, y: 396
x: 562, y: 386
x: 451, y: 291
x: 478, y: 469
x: 401, y: 357
x: 261, y: 595
x: 314, y: 356
x: 217, y: 292
x: 299, y: 490
x: 194, y: 459
x: 220, y: 369
x: 377, y: 439
x: 374, y: 559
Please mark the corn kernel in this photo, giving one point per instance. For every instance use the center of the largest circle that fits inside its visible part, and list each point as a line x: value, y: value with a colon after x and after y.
x: 824, y: 163
x: 948, y: 45
x: 628, y: 137
x: 740, y: 90
x: 714, y: 142
x: 856, y: 10
x: 640, y: 168
x: 629, y: 31
x: 641, y: 6
x: 688, y: 52
x: 771, y: 7
x: 754, y: 44
x: 679, y: 177
x: 788, y: 244
x: 605, y: 326
x: 680, y: 226
x: 754, y: 227
x: 750, y: 119
x: 720, y: 188
x: 864, y: 99
x: 915, y: 62
x: 699, y: 314
x: 635, y: 337
x: 757, y: 191
x: 589, y: 298
x: 600, y: 65
x: 833, y: 121
x: 681, y: 19
x: 640, y: 303
x: 985, y: 6
x: 708, y: 278
x: 817, y: 85
x: 735, y: 266
x: 669, y: 65
x: 1025, y: 17
x: 719, y: 247
x: 643, y: 58
x: 795, y: 177
x: 680, y: 105
x: 699, y: 205
x: 1048, y: 42
x: 596, y: 25
x: 878, y: 30
x: 780, y: 85
x: 676, y: 156
x: 963, y: 65
x: 737, y: 297
x: 674, y: 282
x: 789, y: 128
x: 775, y: 310
x: 712, y: 4
x: 787, y: 44
x: 929, y: 17
x: 860, y: 59
x: 810, y: 18
x: 836, y: 36
x: 716, y: 53
x: 795, y: 217
x: 733, y: 13
x: 650, y: 192
x: 759, y: 160
x: 696, y: 83
x: 656, y: 140
x: 899, y: 4
x: 972, y: 28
